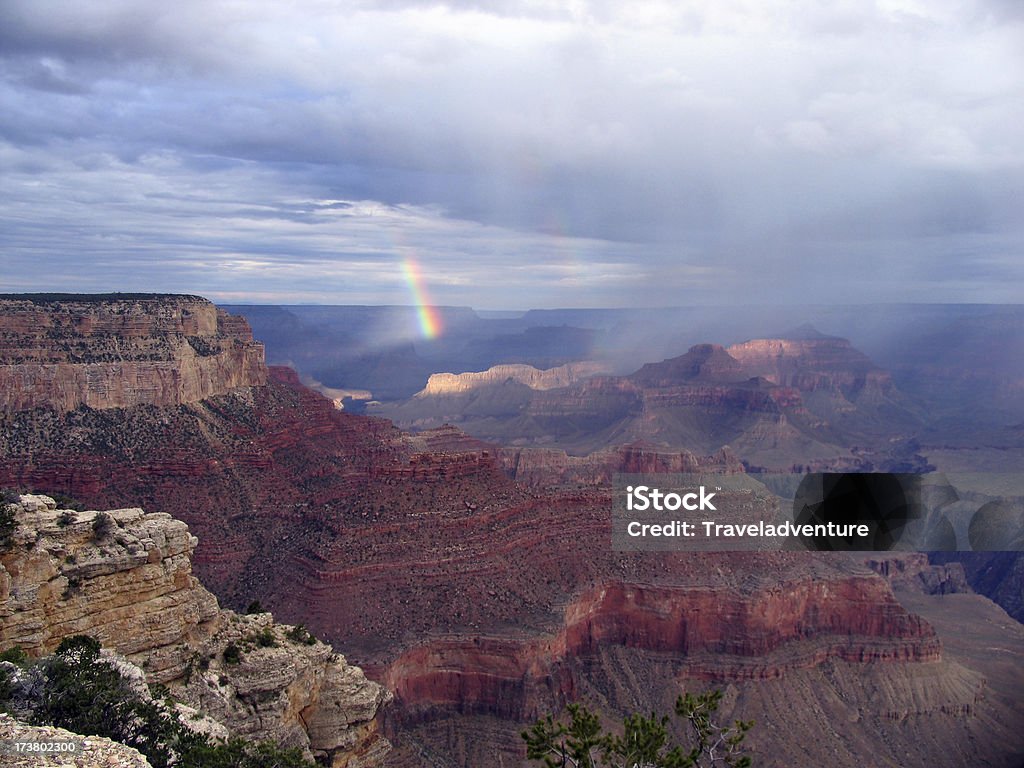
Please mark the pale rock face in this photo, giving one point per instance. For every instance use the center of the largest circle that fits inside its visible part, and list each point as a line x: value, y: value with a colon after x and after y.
x: 302, y: 695
x: 552, y: 378
x: 125, y: 577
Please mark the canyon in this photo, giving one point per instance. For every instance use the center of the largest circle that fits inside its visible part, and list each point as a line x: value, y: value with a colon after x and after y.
x: 776, y: 404
x: 477, y: 581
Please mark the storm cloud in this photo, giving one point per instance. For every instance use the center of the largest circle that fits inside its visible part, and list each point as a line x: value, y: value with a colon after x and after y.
x: 525, y: 154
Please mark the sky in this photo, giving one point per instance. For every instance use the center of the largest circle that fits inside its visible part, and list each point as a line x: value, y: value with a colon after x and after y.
x: 518, y: 154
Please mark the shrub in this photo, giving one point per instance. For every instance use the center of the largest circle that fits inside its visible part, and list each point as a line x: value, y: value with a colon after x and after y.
x: 7, y: 524
x: 15, y: 655
x: 266, y: 639
x: 5, y: 688
x: 232, y: 654
x: 84, y: 694
x: 102, y: 525
x: 67, y: 502
x: 300, y: 634
x: 255, y: 607
x: 583, y: 742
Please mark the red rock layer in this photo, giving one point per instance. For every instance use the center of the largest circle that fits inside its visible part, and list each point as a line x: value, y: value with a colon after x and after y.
x: 549, y: 467
x: 721, y: 634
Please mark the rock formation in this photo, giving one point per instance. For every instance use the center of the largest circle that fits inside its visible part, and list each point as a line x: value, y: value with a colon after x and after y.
x: 124, y: 577
x: 549, y: 467
x: 793, y: 405
x: 62, y: 352
x: 913, y: 571
x: 90, y: 752
x: 552, y: 378
x: 703, y: 362
x: 810, y: 364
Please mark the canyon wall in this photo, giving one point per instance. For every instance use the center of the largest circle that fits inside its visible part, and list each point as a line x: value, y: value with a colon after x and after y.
x: 124, y: 577
x: 716, y: 634
x: 65, y: 352
x: 548, y: 467
x: 812, y: 364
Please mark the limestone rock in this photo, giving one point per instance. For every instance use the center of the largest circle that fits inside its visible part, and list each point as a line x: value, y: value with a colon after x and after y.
x: 125, y: 577
x: 90, y: 751
x: 552, y: 378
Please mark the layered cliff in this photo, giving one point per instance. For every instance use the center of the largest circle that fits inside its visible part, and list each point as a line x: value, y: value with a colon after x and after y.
x: 549, y: 467
x: 702, y: 362
x: 124, y: 577
x: 809, y: 364
x: 719, y: 633
x: 552, y: 378
x: 777, y: 404
x: 64, y: 351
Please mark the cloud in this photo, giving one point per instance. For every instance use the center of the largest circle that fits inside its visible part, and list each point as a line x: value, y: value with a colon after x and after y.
x: 662, y: 142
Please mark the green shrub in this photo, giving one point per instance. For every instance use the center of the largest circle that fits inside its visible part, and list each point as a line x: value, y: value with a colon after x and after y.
x: 15, y: 655
x: 103, y: 525
x: 7, y: 524
x: 584, y: 743
x: 82, y: 693
x: 299, y: 634
x: 67, y: 502
x: 266, y: 639
x: 232, y: 654
x: 5, y: 688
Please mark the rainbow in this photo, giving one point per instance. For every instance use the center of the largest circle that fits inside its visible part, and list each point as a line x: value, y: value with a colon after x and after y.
x: 429, y: 317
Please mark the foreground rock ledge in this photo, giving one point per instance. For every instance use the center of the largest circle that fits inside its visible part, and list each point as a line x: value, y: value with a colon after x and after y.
x: 125, y: 577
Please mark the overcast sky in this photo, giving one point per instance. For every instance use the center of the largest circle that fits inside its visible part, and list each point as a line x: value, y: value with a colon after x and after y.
x: 524, y: 154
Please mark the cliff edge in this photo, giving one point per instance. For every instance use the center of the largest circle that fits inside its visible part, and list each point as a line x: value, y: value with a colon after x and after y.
x: 125, y: 577
x: 62, y: 351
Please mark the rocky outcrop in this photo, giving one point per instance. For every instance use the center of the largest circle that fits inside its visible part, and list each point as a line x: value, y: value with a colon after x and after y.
x: 62, y: 352
x: 548, y: 467
x: 913, y: 571
x: 89, y: 751
x: 811, y: 364
x: 703, y: 362
x: 124, y: 577
x: 552, y: 378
